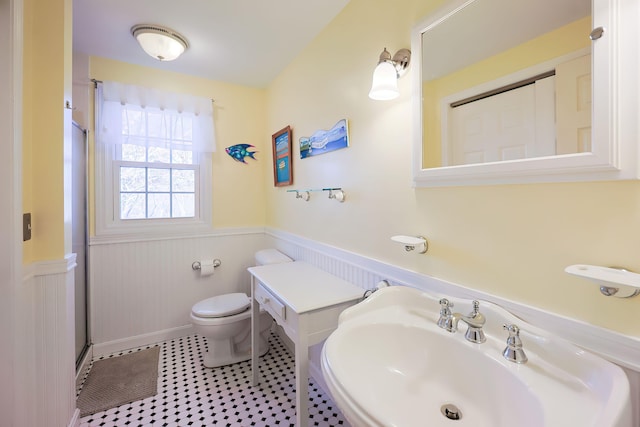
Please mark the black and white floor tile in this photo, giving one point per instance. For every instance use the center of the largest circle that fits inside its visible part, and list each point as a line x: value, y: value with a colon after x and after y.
x: 191, y: 395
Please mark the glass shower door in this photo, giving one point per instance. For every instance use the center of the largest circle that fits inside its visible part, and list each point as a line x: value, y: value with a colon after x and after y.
x: 79, y: 238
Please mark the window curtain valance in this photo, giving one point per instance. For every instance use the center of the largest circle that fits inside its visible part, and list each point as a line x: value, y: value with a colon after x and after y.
x: 129, y: 114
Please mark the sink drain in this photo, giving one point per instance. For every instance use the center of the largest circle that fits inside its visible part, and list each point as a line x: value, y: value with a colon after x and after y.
x: 451, y: 411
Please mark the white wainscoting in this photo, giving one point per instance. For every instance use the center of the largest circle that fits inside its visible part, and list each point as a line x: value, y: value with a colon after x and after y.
x: 366, y: 272
x: 48, y: 321
x: 142, y: 291
x: 634, y: 383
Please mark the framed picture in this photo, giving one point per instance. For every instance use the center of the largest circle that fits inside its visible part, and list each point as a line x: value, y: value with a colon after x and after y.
x: 282, y: 167
x: 325, y: 141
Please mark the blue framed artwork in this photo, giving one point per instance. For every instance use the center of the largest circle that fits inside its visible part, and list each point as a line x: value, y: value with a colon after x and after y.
x: 325, y: 141
x: 282, y: 167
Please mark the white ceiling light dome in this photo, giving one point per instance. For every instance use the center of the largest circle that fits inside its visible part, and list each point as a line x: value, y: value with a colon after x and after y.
x: 162, y: 43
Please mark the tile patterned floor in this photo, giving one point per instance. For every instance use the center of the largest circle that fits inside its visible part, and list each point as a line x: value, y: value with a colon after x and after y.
x: 191, y: 395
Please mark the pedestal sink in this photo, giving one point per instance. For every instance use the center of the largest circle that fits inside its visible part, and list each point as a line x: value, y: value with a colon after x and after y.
x: 388, y: 364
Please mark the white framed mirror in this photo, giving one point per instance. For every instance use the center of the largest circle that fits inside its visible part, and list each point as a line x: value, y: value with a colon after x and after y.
x: 510, y: 92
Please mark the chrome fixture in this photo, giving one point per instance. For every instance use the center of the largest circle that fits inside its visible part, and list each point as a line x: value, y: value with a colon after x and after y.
x: 445, y: 321
x: 162, y: 43
x: 196, y: 265
x: 384, y: 283
x: 304, y: 195
x: 411, y: 243
x: 385, y: 77
x: 613, y: 281
x: 451, y: 411
x: 514, y: 352
x: 475, y: 321
x: 336, y: 193
x: 596, y: 33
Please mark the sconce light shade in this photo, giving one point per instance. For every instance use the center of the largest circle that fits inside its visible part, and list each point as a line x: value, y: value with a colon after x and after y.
x: 385, y: 77
x: 161, y: 43
x: 385, y: 82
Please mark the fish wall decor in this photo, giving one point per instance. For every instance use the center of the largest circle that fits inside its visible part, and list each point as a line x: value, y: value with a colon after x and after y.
x: 240, y: 152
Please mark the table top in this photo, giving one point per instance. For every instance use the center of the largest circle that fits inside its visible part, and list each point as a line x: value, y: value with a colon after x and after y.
x: 304, y: 287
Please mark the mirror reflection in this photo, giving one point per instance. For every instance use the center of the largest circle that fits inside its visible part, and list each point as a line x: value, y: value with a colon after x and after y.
x: 507, y: 80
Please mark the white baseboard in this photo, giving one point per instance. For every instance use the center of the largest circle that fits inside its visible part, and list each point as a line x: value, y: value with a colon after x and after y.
x: 141, y: 340
x: 75, y: 420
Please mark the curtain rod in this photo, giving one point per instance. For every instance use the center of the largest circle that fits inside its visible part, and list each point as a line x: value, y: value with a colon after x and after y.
x: 95, y: 84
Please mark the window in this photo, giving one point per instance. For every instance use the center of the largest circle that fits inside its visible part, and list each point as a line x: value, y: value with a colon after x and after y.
x: 152, y: 167
x: 156, y: 180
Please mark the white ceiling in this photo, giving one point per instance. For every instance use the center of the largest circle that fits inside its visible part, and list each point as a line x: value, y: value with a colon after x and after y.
x: 246, y: 42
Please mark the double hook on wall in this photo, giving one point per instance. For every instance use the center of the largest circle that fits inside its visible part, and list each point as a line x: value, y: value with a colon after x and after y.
x: 334, y: 193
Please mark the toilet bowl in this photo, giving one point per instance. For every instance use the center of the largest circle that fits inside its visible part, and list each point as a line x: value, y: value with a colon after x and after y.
x: 225, y: 321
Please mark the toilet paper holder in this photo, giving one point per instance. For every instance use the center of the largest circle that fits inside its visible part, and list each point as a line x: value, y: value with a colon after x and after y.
x: 197, y: 266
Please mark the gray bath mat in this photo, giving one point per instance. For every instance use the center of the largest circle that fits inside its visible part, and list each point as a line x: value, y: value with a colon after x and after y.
x: 118, y: 380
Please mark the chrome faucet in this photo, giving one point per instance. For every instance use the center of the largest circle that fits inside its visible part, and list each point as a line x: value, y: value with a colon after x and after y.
x: 475, y: 321
x: 514, y: 352
x: 446, y: 320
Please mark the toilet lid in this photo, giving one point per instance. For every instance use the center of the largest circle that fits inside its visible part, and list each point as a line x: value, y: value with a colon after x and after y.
x: 222, y: 305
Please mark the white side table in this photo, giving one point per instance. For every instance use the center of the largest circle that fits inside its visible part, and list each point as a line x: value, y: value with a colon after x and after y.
x: 306, y: 302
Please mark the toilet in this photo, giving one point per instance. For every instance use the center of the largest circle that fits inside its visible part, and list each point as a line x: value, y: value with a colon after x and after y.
x: 225, y: 321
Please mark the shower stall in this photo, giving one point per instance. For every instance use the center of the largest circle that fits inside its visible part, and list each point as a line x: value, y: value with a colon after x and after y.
x: 79, y: 239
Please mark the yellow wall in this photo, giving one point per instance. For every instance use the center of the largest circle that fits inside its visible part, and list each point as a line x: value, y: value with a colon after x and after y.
x: 513, y: 241
x: 46, y: 86
x: 239, y: 114
x: 565, y: 40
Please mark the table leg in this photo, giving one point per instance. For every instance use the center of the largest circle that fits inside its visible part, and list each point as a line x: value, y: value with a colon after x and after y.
x: 255, y: 331
x: 302, y: 374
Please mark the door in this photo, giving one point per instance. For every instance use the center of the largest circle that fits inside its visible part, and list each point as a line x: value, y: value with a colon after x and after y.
x: 79, y: 237
x: 10, y: 223
x: 573, y: 105
x: 516, y: 124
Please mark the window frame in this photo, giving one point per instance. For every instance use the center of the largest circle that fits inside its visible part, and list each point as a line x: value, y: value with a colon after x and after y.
x: 117, y: 193
x: 107, y: 194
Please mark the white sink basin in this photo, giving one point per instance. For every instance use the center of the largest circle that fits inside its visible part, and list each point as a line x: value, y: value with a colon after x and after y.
x: 388, y: 364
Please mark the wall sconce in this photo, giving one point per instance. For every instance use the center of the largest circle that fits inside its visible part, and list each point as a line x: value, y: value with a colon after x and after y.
x: 386, y: 74
x: 162, y: 43
x: 411, y: 243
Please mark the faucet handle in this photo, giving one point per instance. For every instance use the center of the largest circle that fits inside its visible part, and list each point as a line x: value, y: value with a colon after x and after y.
x: 445, y: 306
x: 476, y: 307
x: 445, y: 321
x: 514, y: 334
x: 514, y: 352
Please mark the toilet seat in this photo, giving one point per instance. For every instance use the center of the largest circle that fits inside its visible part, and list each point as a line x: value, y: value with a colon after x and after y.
x: 222, y: 305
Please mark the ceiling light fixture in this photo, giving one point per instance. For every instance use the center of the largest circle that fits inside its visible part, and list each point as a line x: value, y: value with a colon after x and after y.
x: 386, y: 74
x: 162, y: 43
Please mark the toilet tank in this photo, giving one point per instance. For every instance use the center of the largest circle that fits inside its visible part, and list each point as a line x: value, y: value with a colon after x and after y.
x: 270, y: 256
